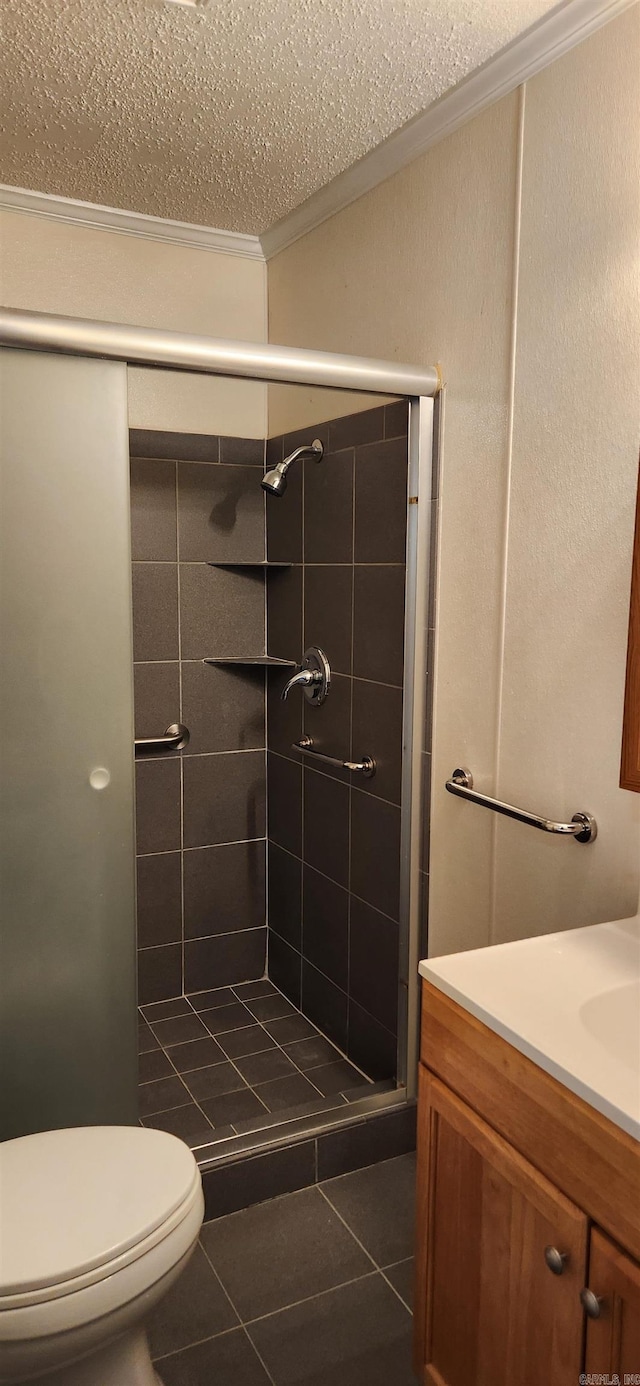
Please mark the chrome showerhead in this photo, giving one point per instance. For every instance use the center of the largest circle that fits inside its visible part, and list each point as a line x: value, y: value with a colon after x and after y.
x: 275, y: 481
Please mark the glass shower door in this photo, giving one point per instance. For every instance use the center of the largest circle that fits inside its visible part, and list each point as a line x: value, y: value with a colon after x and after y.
x: 67, y: 965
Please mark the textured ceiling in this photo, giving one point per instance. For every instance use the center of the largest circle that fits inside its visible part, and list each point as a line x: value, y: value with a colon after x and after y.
x: 228, y: 114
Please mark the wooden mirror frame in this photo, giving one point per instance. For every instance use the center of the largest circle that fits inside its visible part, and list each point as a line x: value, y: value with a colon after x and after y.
x: 630, y: 764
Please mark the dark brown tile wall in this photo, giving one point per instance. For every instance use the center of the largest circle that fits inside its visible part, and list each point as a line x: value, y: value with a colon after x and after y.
x: 334, y: 839
x: 201, y: 816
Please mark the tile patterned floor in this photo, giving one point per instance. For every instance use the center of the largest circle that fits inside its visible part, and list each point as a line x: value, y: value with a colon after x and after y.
x: 226, y: 1062
x: 311, y: 1289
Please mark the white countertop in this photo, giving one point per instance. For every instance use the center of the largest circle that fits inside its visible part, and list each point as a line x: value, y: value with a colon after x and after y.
x: 569, y: 1001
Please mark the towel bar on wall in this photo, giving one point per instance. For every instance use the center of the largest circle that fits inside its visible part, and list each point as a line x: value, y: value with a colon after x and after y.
x: 582, y: 828
x: 366, y: 766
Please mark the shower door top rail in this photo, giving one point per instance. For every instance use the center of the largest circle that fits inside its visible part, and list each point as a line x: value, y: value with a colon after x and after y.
x: 180, y: 351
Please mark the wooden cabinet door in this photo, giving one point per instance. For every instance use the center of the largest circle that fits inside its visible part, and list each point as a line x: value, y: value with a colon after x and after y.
x: 489, y: 1312
x: 613, y: 1339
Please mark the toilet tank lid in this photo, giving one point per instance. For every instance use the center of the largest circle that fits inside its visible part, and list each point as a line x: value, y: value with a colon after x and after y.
x: 75, y: 1199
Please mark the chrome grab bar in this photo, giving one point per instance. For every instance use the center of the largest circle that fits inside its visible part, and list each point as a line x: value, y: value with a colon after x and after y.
x: 174, y: 739
x: 582, y: 828
x: 366, y: 766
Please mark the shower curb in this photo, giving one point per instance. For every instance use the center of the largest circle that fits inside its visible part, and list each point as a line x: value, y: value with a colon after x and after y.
x: 279, y: 1164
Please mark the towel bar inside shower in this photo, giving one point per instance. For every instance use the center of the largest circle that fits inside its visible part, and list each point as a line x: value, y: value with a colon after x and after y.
x: 175, y: 738
x: 366, y: 766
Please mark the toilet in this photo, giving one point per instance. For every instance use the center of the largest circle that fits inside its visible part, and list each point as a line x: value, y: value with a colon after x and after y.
x: 96, y: 1224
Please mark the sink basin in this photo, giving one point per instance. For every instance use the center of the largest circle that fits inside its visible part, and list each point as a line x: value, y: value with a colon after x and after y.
x: 569, y: 1001
x: 613, y: 1018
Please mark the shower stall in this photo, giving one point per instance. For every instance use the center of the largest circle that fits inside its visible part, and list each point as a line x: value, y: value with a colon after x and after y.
x: 254, y: 614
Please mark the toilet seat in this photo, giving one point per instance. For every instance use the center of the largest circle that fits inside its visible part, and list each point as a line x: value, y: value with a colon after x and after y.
x: 81, y: 1205
x: 97, y: 1301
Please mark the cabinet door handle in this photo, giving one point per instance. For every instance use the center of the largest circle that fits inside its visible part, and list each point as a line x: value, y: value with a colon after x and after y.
x: 556, y: 1260
x: 591, y: 1304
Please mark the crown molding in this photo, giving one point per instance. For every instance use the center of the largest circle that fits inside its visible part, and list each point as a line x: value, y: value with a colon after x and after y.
x: 74, y: 213
x: 562, y: 29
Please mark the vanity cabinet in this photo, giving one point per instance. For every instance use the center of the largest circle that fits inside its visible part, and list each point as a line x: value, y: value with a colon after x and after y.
x: 613, y: 1338
x: 513, y: 1173
x: 495, y: 1313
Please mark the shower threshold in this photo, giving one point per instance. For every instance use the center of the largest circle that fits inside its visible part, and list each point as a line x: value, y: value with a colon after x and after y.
x: 240, y: 1069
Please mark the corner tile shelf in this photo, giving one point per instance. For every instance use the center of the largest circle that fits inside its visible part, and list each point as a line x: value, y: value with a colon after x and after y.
x: 256, y: 661
x: 262, y: 563
x: 252, y: 661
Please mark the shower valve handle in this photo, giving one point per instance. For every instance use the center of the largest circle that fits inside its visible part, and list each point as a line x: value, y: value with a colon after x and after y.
x: 313, y: 677
x: 302, y: 679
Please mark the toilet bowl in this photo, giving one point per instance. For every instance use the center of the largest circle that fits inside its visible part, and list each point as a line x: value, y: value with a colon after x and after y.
x: 96, y: 1223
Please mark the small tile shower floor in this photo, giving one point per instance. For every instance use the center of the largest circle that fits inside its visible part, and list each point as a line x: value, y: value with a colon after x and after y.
x: 222, y: 1063
x: 311, y: 1289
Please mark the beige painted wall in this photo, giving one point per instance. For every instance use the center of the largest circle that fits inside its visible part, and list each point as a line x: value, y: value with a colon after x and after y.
x: 528, y: 294
x: 57, y: 268
x: 291, y: 407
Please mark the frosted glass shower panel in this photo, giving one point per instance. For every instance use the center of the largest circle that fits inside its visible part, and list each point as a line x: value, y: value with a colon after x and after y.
x: 67, y: 977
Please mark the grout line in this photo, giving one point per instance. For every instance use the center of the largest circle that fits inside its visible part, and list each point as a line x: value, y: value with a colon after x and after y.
x: 198, y: 462
x: 325, y: 1062
x: 224, y: 1333
x: 237, y: 1314
x: 285, y: 563
x: 341, y: 887
x: 278, y: 1117
x: 234, y: 1065
x: 392, y: 1266
x: 339, y: 673
x: 149, y: 1116
x: 175, y: 943
x: 396, y: 1292
x: 504, y: 557
x: 204, y: 755
x: 191, y: 1095
x: 206, y: 847
x: 331, y: 1289
x: 254, y: 929
x: 361, y: 1245
x: 305, y: 1072
x: 263, y: 1024
x: 193, y: 1099
x: 258, y: 1355
x: 345, y: 1224
x: 250, y: 563
x: 224, y: 1290
x: 327, y: 775
x: 341, y: 989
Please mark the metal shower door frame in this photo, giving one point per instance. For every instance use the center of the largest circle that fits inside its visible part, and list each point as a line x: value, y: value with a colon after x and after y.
x: 421, y: 502
x: 164, y: 350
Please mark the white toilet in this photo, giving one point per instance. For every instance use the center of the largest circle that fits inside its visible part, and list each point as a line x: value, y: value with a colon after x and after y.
x: 96, y: 1223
